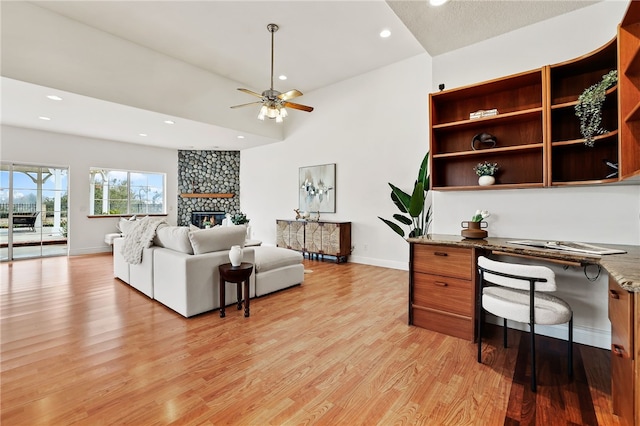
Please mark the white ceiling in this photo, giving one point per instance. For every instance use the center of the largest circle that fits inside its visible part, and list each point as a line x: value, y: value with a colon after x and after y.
x: 319, y: 43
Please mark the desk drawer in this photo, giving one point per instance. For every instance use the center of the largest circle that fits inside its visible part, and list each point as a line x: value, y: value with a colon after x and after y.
x: 443, y: 293
x: 442, y: 260
x: 621, y: 317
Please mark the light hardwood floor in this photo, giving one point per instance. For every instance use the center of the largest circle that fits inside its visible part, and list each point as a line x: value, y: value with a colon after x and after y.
x: 80, y: 347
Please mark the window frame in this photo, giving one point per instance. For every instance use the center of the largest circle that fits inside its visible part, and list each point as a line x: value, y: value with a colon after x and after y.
x: 130, y: 197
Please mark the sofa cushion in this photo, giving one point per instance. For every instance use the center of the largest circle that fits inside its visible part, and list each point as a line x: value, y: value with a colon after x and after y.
x: 216, y: 239
x: 173, y: 237
x: 270, y: 257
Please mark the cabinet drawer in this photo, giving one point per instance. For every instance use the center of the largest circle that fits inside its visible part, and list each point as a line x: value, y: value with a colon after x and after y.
x: 442, y: 260
x: 442, y: 322
x: 443, y: 293
x: 621, y: 317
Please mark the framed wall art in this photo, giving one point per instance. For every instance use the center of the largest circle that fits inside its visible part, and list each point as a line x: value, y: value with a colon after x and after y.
x: 317, y: 188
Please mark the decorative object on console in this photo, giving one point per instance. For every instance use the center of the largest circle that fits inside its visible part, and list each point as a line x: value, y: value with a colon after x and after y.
x: 474, y: 228
x: 589, y: 107
x: 235, y: 255
x: 485, y: 171
x: 413, y: 204
x: 483, y: 138
x: 239, y: 219
x: 317, y: 187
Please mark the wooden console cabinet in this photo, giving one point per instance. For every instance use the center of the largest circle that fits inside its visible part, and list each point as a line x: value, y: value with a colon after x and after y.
x: 442, y: 289
x: 316, y: 238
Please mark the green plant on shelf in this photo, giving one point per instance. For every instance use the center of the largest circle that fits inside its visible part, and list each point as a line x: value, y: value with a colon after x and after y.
x: 486, y: 169
x: 589, y: 107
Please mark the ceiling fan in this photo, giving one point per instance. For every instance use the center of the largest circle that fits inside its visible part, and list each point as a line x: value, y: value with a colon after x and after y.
x: 274, y: 102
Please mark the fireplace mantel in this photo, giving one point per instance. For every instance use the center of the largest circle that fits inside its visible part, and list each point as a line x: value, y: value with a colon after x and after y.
x: 207, y: 195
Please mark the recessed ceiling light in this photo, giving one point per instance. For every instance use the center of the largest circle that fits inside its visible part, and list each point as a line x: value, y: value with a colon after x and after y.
x: 142, y: 134
x: 437, y: 2
x: 385, y: 33
x: 282, y: 77
x: 54, y: 98
x: 169, y: 122
x: 44, y: 118
x: 240, y: 137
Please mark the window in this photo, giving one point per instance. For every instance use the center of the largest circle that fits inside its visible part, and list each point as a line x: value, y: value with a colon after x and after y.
x: 118, y: 192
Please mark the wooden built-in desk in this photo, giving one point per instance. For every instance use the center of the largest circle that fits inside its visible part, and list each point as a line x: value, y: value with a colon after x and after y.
x: 442, y: 296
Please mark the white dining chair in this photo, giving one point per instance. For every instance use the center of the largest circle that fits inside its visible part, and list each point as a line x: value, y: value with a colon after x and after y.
x: 520, y: 293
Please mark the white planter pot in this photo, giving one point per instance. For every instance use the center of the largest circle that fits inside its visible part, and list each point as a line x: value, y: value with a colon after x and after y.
x: 235, y: 255
x: 486, y: 180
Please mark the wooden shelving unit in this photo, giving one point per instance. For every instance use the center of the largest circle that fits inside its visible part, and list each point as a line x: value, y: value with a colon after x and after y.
x: 518, y: 128
x: 538, y: 134
x: 629, y: 97
x: 571, y: 161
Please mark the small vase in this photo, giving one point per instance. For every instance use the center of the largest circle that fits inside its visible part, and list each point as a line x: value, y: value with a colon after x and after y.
x: 235, y: 255
x: 486, y: 180
x: 473, y: 230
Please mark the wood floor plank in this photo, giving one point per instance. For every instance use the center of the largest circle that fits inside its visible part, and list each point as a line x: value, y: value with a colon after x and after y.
x: 80, y: 347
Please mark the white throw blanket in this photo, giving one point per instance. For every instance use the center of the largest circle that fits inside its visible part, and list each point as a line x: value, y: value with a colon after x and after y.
x: 140, y: 237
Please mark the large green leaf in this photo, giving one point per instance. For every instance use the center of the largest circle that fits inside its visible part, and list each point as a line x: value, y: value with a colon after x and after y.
x: 402, y: 219
x: 400, y: 198
x: 393, y: 226
x: 423, y: 173
x: 416, y: 203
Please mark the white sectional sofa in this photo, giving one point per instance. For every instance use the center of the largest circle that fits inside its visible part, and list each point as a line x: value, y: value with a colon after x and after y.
x: 180, y: 269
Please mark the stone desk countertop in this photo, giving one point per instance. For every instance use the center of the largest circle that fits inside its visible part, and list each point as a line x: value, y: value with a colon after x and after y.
x: 625, y: 268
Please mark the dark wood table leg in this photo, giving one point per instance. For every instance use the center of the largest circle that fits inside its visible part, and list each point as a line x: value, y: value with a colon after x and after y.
x: 246, y: 297
x: 223, y: 284
x: 239, y: 295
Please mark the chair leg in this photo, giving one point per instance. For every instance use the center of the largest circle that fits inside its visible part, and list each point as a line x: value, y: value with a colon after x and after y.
x: 533, y: 356
x: 504, y: 332
x: 479, y: 321
x: 571, y: 346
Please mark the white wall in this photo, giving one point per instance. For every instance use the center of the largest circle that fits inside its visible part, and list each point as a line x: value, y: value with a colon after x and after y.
x: 86, y: 235
x: 374, y: 128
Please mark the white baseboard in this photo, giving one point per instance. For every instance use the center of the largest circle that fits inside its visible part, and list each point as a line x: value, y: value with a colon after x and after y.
x: 90, y: 250
x: 584, y: 335
x: 403, y: 266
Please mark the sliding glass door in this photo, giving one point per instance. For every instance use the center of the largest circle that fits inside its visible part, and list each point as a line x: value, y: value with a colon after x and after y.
x: 33, y: 211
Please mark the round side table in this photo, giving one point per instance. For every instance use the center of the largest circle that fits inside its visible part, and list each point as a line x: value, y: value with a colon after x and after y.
x: 236, y: 275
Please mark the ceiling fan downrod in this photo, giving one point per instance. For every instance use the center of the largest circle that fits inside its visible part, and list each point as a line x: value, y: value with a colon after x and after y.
x: 272, y: 29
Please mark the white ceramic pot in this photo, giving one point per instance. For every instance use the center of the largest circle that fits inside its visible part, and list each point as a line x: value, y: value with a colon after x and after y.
x: 235, y: 255
x: 486, y: 180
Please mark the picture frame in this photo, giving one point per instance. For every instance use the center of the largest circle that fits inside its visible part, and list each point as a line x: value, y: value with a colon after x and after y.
x: 317, y: 188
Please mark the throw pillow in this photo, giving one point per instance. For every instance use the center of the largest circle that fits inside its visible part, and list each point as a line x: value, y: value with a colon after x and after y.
x: 173, y: 237
x: 125, y: 225
x: 216, y: 239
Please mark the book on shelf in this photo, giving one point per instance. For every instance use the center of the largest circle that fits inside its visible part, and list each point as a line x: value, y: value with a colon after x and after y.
x: 569, y: 246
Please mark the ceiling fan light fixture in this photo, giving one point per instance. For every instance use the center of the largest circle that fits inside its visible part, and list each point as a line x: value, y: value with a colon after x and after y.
x: 262, y: 113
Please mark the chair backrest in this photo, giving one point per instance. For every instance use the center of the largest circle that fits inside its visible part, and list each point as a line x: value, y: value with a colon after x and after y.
x: 517, y: 275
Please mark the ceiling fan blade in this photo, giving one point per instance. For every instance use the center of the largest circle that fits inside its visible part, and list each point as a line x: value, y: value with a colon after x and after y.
x: 289, y: 95
x: 250, y: 92
x: 244, y: 105
x: 298, y: 106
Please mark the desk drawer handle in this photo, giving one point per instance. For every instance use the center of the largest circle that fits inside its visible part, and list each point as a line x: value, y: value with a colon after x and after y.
x: 441, y: 284
x: 614, y: 294
x: 440, y: 253
x: 618, y: 350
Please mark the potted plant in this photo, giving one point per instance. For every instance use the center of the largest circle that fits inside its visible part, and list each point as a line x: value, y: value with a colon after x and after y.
x: 486, y: 172
x: 241, y: 219
x: 589, y: 107
x: 414, y: 204
x: 206, y: 223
